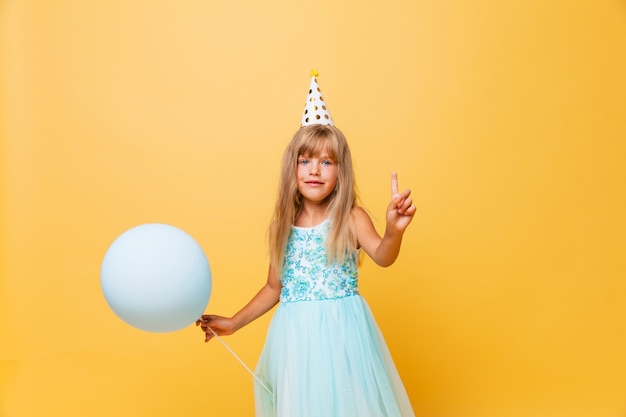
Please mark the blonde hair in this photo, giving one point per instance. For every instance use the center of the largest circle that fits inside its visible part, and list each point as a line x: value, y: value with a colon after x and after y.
x: 312, y: 140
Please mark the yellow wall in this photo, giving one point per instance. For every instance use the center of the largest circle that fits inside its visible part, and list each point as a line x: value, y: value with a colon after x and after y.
x: 505, y: 118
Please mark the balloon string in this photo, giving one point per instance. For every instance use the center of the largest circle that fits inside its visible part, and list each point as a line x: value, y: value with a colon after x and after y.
x: 241, y: 362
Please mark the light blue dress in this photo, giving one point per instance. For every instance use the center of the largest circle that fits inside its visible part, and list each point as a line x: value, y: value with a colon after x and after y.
x: 324, y: 355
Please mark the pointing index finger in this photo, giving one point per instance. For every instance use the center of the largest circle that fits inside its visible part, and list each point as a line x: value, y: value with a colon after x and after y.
x: 394, y: 184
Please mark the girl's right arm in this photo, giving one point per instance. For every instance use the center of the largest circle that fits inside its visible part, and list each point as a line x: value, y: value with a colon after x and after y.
x: 261, y: 303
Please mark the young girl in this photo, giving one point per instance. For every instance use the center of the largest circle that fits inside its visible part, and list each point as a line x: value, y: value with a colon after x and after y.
x: 324, y: 355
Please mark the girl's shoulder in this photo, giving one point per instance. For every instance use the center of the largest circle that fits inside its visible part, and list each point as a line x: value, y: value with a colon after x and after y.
x: 358, y: 211
x: 363, y: 228
x: 359, y: 216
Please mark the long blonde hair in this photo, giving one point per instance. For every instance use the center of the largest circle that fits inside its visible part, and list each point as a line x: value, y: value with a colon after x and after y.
x: 312, y: 140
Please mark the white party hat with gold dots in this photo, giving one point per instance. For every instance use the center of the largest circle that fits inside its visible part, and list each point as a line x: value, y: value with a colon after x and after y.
x: 315, y: 109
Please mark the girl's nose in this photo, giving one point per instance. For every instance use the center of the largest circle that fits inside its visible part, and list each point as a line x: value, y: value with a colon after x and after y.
x: 315, y: 169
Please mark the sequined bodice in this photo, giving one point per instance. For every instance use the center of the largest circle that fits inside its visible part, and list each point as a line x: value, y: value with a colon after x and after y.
x: 306, y: 273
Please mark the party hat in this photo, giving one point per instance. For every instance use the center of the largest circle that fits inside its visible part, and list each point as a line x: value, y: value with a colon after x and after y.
x: 315, y: 109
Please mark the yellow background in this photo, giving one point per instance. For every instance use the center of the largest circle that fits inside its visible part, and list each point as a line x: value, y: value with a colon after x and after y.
x: 507, y: 119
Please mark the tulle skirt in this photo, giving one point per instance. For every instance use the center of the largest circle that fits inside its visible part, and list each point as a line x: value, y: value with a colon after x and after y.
x: 328, y: 358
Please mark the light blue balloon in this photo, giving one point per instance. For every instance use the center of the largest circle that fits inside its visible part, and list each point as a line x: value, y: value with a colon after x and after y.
x: 155, y: 277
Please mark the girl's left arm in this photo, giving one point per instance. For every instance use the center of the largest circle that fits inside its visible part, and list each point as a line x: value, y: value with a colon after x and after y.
x: 400, y: 211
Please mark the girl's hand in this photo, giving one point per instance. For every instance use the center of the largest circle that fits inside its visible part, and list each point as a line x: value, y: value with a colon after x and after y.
x: 401, y: 210
x: 222, y: 326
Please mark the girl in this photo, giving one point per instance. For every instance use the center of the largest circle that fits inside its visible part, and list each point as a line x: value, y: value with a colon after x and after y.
x: 324, y: 355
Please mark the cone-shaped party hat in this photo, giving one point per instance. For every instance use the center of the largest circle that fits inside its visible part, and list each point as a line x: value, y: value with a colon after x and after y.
x: 315, y: 109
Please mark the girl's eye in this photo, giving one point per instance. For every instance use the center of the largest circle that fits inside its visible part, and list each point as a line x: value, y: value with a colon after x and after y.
x: 327, y: 162
x: 303, y: 161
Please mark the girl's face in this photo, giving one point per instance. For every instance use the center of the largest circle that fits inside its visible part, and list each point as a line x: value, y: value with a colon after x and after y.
x: 316, y: 176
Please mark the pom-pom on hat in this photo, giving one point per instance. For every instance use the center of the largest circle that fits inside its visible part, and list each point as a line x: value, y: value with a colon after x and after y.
x: 315, y: 109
